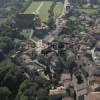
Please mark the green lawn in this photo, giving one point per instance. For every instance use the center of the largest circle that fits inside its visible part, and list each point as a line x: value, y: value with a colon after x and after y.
x: 58, y: 9
x: 97, y: 53
x: 3, y: 20
x: 73, y: 18
x: 26, y: 33
x: 89, y: 10
x: 35, y: 38
x: 44, y: 9
x: 32, y: 7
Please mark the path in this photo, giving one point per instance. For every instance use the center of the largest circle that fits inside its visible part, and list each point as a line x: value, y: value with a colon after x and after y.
x: 39, y: 7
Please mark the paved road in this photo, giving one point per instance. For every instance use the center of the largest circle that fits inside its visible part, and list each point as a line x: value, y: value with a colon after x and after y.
x: 59, y: 27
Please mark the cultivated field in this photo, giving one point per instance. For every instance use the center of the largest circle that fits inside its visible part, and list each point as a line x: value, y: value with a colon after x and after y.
x: 42, y: 7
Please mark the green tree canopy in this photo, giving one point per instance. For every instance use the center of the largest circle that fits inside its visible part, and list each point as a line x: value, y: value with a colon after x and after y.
x: 4, y: 93
x: 36, y: 89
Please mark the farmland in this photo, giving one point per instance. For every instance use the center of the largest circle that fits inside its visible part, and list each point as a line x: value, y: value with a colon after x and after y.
x: 43, y: 11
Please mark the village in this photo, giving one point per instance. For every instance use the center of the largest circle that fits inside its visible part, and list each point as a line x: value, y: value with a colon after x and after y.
x: 73, y: 55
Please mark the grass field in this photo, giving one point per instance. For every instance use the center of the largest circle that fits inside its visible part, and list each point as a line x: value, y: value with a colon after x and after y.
x: 35, y: 38
x: 32, y: 8
x: 44, y: 9
x: 89, y: 10
x: 3, y: 20
x: 26, y: 33
x: 72, y: 18
x: 58, y: 9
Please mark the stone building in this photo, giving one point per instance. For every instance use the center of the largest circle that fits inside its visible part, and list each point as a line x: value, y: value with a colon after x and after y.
x: 57, y: 93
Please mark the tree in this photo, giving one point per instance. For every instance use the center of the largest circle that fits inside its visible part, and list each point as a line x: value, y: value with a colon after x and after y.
x: 1, y: 55
x: 11, y: 76
x: 42, y: 94
x: 24, y: 98
x: 78, y: 73
x: 6, y: 44
x: 4, y: 93
x: 36, y: 89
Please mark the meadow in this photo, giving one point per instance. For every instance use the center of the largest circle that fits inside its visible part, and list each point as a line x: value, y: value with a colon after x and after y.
x: 43, y: 11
